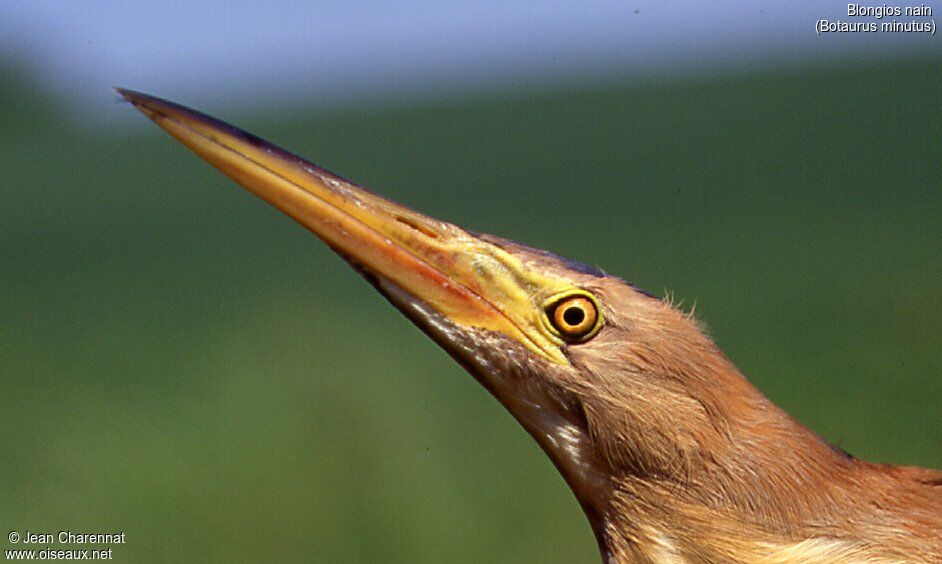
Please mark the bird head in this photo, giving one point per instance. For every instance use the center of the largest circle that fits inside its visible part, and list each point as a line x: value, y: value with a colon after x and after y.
x: 614, y: 384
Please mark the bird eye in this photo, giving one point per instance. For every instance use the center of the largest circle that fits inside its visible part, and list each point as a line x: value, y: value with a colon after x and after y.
x: 574, y: 316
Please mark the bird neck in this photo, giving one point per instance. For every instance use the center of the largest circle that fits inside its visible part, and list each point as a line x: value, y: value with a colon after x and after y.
x: 766, y: 488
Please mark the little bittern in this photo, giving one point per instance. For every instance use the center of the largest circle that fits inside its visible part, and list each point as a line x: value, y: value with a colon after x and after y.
x: 672, y: 453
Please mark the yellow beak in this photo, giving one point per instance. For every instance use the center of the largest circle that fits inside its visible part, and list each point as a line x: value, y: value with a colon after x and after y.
x: 467, y: 280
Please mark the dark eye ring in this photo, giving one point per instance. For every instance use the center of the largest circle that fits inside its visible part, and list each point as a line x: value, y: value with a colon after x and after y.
x: 575, y: 316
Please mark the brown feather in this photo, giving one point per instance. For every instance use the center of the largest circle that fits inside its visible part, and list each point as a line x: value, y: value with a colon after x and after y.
x: 705, y: 469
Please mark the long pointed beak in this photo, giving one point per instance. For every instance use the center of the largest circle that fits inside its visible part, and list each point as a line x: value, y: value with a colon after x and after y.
x: 467, y: 280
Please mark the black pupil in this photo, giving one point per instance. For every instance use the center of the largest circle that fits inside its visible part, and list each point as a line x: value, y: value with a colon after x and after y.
x: 574, y: 316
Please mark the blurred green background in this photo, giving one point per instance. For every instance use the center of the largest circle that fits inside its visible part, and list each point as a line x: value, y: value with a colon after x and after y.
x: 183, y: 363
